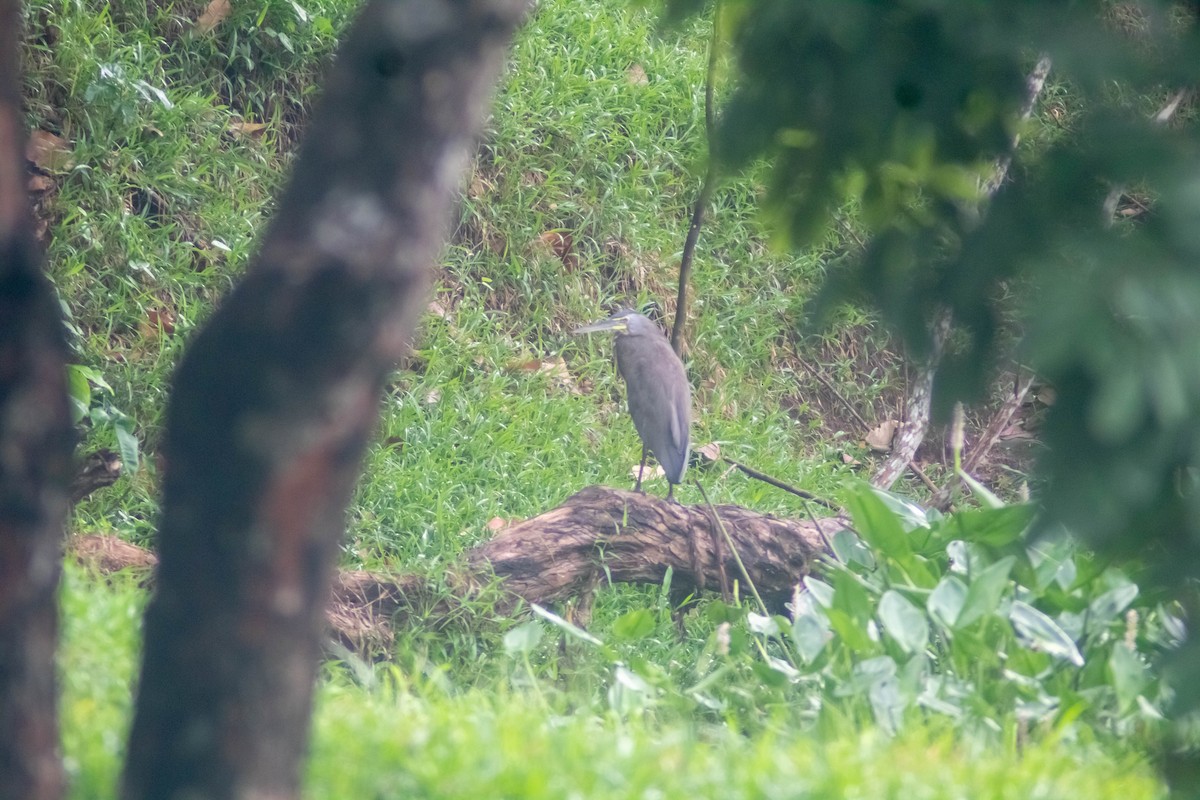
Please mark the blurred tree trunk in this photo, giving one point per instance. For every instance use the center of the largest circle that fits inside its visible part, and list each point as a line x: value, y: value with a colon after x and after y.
x: 35, y: 465
x: 277, y: 397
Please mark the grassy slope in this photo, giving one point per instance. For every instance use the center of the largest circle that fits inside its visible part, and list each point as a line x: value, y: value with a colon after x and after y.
x: 472, y: 430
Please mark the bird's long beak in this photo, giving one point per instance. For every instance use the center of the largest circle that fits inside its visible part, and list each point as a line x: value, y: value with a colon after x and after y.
x: 602, y: 325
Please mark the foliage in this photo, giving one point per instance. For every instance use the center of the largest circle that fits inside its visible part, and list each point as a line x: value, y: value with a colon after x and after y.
x: 382, y: 731
x: 86, y: 404
x: 921, y: 617
x: 906, y: 107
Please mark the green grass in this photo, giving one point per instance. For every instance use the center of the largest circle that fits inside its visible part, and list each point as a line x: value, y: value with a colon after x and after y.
x: 159, y: 213
x: 390, y: 732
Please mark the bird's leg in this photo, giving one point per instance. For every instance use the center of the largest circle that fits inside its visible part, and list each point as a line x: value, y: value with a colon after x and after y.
x: 642, y: 468
x: 670, y: 491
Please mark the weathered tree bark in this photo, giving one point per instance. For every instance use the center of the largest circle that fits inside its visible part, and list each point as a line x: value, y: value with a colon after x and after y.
x: 275, y: 401
x: 628, y: 537
x: 597, y: 535
x: 98, y: 469
x: 36, y: 441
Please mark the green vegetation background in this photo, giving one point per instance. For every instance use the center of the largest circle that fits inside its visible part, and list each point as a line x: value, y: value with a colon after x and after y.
x: 597, y: 136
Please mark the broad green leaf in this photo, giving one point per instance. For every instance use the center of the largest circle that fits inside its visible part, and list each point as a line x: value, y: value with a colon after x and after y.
x: 960, y: 557
x: 718, y: 612
x: 903, y: 621
x: 909, y: 513
x: 994, y: 527
x: 821, y: 591
x: 79, y: 391
x: 849, y: 549
x: 1107, y: 606
x: 763, y: 625
x: 1041, y: 633
x: 633, y: 625
x: 769, y: 676
x: 79, y: 394
x: 1128, y: 675
x: 945, y: 602
x: 850, y: 631
x: 523, y: 638
x: 985, y: 591
x: 883, y: 528
x: 877, y: 524
x: 810, y: 633
x: 1048, y: 556
x: 852, y: 597
x: 127, y: 443
x: 781, y: 667
x: 869, y: 672
x: 983, y: 494
x: 877, y: 678
x: 91, y: 375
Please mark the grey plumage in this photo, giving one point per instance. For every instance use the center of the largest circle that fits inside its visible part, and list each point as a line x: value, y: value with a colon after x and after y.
x: 657, y: 390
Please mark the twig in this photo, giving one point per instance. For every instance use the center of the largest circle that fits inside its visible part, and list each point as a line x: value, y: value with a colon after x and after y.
x: 910, y: 464
x: 733, y: 549
x: 821, y: 532
x: 778, y: 484
x: 833, y: 390
x: 718, y: 545
x: 943, y: 497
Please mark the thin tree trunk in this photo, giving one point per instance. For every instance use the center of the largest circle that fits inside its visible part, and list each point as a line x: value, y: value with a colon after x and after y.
x: 275, y: 401
x: 36, y: 444
x: 917, y: 407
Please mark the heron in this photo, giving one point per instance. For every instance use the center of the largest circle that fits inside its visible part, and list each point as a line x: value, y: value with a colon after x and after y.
x: 656, y: 388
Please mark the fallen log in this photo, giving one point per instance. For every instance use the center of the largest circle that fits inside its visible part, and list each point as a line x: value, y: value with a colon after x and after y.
x: 598, y: 535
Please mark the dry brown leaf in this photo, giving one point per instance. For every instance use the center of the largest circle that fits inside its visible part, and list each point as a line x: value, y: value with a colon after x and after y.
x: 650, y: 472
x: 527, y: 365
x: 1017, y: 431
x: 437, y: 309
x: 213, y: 16
x: 496, y: 524
x: 479, y: 186
x: 561, y: 245
x: 880, y: 437
x: 710, y: 451
x: 49, y: 152
x: 554, y: 368
x: 637, y: 75
x: 432, y: 397
x: 162, y: 319
x: 849, y: 460
x: 245, y: 129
